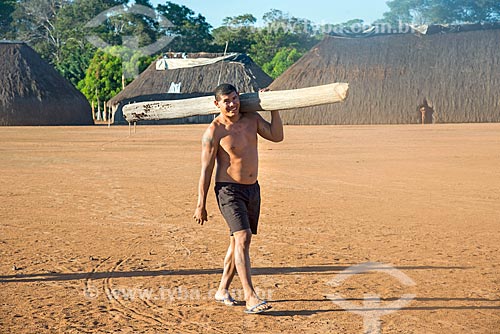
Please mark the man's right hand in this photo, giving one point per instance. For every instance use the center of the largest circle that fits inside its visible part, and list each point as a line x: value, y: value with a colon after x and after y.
x: 200, y: 215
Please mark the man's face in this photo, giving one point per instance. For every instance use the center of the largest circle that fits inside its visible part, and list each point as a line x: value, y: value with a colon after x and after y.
x: 229, y: 105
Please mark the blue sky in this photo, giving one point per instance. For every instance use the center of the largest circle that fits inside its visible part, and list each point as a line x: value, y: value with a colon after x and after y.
x: 318, y: 11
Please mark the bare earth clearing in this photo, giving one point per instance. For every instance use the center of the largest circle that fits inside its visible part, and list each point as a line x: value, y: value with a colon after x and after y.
x: 96, y: 234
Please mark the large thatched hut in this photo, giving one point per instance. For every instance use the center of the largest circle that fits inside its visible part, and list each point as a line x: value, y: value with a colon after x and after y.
x: 190, y: 75
x: 454, y: 73
x: 33, y: 93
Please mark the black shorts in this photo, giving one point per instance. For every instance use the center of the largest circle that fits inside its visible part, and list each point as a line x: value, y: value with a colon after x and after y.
x: 239, y: 205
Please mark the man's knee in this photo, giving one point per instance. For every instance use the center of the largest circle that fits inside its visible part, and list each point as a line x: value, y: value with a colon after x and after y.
x: 242, y: 238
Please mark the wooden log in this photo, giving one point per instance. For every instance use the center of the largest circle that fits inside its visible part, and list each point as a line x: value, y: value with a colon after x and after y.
x: 250, y: 102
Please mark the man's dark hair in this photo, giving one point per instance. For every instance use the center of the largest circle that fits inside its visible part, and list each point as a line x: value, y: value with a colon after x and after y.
x: 224, y: 89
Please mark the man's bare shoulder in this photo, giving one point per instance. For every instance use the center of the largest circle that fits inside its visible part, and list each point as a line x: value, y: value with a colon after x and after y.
x: 213, y: 130
x: 217, y: 125
x: 213, y: 125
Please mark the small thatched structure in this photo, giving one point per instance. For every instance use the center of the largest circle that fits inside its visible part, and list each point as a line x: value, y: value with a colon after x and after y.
x: 33, y: 93
x: 194, y: 75
x: 391, y: 76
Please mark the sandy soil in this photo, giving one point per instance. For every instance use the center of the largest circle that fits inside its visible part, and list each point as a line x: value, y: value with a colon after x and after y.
x: 96, y: 234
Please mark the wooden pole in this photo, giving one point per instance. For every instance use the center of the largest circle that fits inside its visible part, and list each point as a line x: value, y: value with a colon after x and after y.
x: 98, y: 105
x: 93, y: 111
x: 104, y: 112
x: 109, y: 115
x: 98, y: 110
x: 222, y: 63
x: 249, y: 102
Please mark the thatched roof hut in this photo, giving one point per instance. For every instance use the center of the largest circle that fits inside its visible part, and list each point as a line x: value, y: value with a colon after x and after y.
x: 391, y: 76
x: 190, y: 76
x: 33, y: 93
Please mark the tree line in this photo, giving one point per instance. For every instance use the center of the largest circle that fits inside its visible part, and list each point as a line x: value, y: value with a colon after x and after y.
x: 59, y: 31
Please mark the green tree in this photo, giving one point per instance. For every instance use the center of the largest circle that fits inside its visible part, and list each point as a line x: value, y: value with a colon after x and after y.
x: 192, y: 31
x: 7, y: 7
x: 34, y: 21
x: 103, y: 77
x: 441, y: 11
x: 282, y: 60
x: 76, y: 52
x: 238, y: 31
x: 133, y: 60
x: 281, y: 31
x: 75, y: 57
x: 57, y: 30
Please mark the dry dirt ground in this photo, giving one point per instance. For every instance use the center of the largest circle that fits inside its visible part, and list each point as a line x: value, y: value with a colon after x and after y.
x: 97, y: 236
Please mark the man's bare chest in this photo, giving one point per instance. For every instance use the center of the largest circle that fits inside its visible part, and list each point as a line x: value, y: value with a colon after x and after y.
x: 239, y: 139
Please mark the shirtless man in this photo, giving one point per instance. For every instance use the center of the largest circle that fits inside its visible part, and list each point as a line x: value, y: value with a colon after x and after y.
x: 231, y: 141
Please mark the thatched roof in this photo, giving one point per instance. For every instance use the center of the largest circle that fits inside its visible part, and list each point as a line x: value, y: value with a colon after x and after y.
x: 153, y: 84
x: 33, y: 93
x: 391, y: 75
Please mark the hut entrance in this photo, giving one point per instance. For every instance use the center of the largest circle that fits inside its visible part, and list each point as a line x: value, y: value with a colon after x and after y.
x: 426, y: 111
